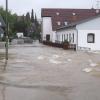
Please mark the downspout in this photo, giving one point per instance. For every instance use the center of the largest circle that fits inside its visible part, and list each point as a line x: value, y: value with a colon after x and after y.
x: 42, y: 30
x: 77, y: 39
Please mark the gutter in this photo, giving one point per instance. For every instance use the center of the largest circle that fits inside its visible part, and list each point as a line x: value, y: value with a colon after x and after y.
x: 77, y: 40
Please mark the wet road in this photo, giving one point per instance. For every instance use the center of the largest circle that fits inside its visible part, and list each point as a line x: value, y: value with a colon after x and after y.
x: 38, y: 72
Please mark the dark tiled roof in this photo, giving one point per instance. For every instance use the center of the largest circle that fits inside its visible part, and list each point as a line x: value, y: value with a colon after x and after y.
x: 2, y: 22
x: 79, y: 22
x: 67, y: 15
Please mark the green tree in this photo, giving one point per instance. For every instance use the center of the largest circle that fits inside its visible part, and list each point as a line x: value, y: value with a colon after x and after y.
x: 32, y: 16
x: 37, y: 28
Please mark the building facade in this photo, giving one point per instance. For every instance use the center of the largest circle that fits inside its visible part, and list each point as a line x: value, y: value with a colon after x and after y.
x: 85, y: 34
x: 52, y: 19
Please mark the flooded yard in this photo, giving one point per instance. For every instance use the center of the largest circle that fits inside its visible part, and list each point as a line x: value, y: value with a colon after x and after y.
x: 38, y: 72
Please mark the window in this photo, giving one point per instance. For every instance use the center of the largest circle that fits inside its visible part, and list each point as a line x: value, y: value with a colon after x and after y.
x: 64, y: 37
x: 47, y: 37
x: 58, y: 23
x: 73, y: 14
x: 69, y: 37
x: 91, y: 38
x: 57, y: 13
x: 65, y: 23
x: 73, y: 37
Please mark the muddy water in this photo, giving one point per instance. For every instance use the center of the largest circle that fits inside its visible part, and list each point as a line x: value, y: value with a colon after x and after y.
x: 37, y: 72
x: 36, y: 93
x: 2, y: 56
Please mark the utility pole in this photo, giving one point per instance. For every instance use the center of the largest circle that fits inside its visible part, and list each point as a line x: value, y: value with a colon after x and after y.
x: 6, y: 46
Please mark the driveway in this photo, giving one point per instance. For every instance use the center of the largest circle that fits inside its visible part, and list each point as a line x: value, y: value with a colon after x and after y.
x: 38, y: 72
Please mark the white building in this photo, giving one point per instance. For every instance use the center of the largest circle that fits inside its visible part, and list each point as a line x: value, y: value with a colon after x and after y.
x: 85, y: 34
x: 52, y: 19
x: 20, y: 35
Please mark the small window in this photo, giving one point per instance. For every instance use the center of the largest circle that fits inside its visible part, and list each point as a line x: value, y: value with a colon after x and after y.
x: 73, y: 37
x: 62, y: 37
x: 57, y: 13
x: 65, y: 23
x: 48, y: 37
x: 73, y: 14
x: 59, y: 23
x: 67, y: 36
x: 70, y: 37
x: 91, y: 38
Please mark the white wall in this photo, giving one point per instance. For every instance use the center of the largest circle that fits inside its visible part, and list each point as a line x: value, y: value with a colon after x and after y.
x: 82, y: 39
x: 46, y: 27
x: 20, y: 35
x: 92, y: 26
x: 66, y: 33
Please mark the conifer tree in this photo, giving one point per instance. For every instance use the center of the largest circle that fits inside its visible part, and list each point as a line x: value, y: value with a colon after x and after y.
x: 28, y: 17
x: 32, y: 16
x: 36, y: 21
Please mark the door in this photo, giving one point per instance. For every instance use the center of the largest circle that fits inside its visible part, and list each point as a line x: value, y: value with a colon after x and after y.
x: 47, y: 37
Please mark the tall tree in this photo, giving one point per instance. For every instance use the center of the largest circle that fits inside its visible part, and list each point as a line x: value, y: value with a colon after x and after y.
x: 32, y: 16
x: 36, y: 21
x: 28, y: 17
x: 37, y: 28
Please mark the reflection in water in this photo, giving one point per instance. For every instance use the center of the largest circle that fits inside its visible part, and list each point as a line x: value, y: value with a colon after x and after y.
x: 3, y: 86
x: 5, y: 65
x: 13, y: 93
x: 3, y: 93
x: 3, y: 62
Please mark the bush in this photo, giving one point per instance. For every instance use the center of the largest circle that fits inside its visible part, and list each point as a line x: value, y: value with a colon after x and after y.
x: 65, y: 42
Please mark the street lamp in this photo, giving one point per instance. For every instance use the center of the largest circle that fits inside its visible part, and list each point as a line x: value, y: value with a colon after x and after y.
x: 6, y: 46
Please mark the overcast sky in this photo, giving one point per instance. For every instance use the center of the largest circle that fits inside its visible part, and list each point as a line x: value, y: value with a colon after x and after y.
x: 22, y: 6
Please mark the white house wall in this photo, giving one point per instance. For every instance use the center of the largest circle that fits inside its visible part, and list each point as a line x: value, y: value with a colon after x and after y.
x: 67, y: 33
x: 82, y: 40
x: 47, y: 29
x: 92, y: 26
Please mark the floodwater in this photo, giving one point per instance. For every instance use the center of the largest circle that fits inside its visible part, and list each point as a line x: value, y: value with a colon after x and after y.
x: 38, y: 72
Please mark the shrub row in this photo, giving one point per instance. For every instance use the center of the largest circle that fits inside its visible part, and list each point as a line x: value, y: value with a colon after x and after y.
x: 59, y: 45
x: 53, y: 44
